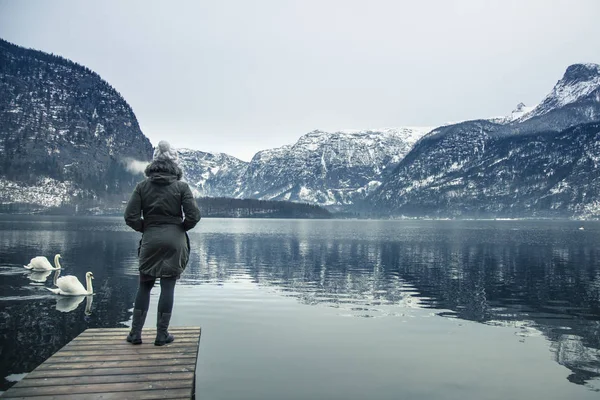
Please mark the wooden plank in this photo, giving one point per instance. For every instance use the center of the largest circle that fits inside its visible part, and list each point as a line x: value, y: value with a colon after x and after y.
x: 141, y: 350
x: 127, y: 346
x: 120, y: 330
x: 115, y: 364
x: 92, y: 380
x: 166, y: 369
x: 125, y: 330
x: 124, y: 357
x: 124, y: 345
x: 121, y: 338
x: 121, y: 341
x: 147, y: 341
x: 170, y: 394
x: 54, y: 390
x: 148, y: 326
x: 144, y: 333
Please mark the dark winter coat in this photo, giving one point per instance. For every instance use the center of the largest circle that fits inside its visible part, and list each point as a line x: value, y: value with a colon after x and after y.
x: 157, y: 208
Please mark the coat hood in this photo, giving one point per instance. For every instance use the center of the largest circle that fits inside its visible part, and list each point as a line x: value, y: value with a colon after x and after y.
x: 163, y: 172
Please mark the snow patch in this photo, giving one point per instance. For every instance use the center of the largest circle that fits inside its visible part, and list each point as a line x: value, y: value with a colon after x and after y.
x: 569, y: 89
x: 46, y: 192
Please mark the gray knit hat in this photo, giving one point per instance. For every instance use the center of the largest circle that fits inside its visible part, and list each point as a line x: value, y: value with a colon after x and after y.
x: 164, y: 151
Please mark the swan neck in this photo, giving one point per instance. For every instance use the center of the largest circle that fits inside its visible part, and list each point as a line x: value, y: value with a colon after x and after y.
x: 56, y: 261
x: 88, y: 285
x: 56, y: 274
x: 88, y: 305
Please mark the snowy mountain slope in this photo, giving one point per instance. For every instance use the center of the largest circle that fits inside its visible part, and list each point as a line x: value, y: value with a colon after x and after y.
x: 65, y: 133
x: 331, y: 169
x: 65, y: 128
x: 471, y: 169
x: 575, y: 99
x: 60, y: 122
x: 579, y: 82
x: 211, y: 174
x: 520, y: 110
x: 45, y: 192
x: 544, y: 174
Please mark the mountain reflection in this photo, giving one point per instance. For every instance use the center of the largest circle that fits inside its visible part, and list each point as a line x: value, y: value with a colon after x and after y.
x: 555, y: 291
x: 539, y: 279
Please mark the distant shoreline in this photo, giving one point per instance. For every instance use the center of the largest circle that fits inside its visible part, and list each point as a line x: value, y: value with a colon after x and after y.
x: 333, y: 217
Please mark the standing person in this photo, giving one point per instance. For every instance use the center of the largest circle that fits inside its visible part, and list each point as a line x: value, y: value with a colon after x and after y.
x: 163, y: 208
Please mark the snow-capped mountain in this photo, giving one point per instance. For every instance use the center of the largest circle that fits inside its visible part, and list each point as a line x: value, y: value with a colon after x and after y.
x: 67, y: 135
x: 520, y: 110
x: 64, y: 131
x: 575, y: 99
x: 578, y: 86
x: 211, y: 174
x: 543, y: 163
x: 330, y: 169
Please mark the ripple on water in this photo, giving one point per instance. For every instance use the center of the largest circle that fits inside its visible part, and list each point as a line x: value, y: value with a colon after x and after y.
x: 26, y: 297
x: 371, y: 294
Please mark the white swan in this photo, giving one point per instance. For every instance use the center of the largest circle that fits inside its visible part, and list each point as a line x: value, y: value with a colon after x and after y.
x: 70, y: 286
x: 41, y: 263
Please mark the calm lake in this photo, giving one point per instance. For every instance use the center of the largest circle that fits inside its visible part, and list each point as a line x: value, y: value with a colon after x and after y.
x: 334, y: 309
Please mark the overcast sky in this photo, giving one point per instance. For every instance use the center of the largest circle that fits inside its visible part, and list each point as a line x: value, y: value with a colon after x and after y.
x: 242, y: 76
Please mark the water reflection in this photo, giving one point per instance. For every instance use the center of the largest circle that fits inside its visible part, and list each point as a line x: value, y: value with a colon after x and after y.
x: 39, y: 276
x: 35, y: 323
x: 543, y: 285
x: 70, y: 303
x: 541, y: 278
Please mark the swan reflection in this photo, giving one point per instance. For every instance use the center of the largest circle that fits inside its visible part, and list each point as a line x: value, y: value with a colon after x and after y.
x: 88, y: 304
x: 39, y: 276
x: 70, y: 303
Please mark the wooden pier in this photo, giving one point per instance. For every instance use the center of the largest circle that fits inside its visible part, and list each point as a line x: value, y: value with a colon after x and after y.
x: 100, y: 364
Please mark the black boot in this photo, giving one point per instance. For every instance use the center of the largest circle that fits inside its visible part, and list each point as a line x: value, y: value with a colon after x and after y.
x: 162, y: 334
x: 135, y: 335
